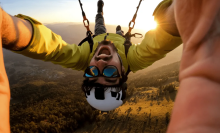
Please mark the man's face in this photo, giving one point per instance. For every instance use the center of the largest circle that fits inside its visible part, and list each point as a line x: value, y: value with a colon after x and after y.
x: 105, y: 55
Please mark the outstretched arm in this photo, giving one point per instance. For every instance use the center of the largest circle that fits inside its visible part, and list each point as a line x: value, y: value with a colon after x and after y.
x: 156, y: 43
x: 197, y: 105
x: 27, y: 36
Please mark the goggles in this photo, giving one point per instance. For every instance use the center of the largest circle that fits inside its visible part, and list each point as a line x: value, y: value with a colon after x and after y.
x: 108, y: 71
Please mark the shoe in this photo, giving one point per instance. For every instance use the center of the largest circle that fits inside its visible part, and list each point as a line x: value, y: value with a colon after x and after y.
x: 100, y: 6
x: 118, y: 28
x: 119, y: 31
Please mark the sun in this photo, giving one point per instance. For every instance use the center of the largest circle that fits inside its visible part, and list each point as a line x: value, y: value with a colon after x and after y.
x: 153, y: 25
x: 149, y: 24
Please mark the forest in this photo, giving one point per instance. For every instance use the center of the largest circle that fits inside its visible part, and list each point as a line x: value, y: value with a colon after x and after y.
x: 56, y: 104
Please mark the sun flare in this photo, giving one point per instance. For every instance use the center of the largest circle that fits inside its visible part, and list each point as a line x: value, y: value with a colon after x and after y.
x: 150, y: 24
x: 154, y: 25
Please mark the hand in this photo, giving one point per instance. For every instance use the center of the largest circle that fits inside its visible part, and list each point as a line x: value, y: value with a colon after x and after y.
x: 196, y: 109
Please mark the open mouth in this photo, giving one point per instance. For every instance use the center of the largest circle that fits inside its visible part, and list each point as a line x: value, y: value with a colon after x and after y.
x: 104, y: 51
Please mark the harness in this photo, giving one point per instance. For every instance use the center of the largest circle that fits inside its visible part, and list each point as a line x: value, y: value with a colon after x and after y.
x: 127, y: 36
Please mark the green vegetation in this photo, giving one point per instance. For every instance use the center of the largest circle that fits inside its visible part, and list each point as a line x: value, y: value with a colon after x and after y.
x: 147, y: 108
x: 47, y: 98
x: 54, y: 108
x: 56, y: 104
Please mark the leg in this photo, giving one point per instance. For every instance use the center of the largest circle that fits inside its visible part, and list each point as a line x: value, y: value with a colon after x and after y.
x: 99, y: 24
x: 99, y: 20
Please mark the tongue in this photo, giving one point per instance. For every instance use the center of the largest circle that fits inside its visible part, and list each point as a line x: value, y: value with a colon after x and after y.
x: 105, y: 51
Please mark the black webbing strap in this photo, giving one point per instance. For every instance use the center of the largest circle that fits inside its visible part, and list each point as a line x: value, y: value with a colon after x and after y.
x: 90, y: 40
x: 127, y: 45
x: 89, y: 34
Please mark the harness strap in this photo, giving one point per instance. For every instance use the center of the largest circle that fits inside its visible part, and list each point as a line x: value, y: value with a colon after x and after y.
x: 90, y: 40
x: 132, y: 22
x: 127, y: 45
x: 88, y: 33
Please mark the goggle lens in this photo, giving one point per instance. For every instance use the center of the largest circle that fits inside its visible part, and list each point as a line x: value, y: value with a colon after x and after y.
x: 110, y: 71
x: 91, y: 72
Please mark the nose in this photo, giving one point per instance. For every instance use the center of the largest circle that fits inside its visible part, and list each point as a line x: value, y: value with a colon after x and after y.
x: 102, y: 60
x: 101, y: 64
x: 103, y: 57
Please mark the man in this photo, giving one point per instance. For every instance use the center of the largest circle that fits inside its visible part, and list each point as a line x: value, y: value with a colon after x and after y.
x: 194, y: 110
x: 111, y: 56
x: 106, y: 67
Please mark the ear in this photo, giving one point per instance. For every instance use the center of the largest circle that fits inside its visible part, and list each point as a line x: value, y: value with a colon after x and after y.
x: 123, y: 69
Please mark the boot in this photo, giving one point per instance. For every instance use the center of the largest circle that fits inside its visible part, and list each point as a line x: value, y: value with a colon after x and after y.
x: 119, y: 31
x: 118, y: 28
x: 100, y: 5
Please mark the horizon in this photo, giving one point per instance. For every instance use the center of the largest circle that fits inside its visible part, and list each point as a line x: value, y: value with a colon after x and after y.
x: 48, y: 11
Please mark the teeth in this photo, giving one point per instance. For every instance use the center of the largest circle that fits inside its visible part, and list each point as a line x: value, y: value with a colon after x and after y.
x: 102, y: 54
x: 104, y: 51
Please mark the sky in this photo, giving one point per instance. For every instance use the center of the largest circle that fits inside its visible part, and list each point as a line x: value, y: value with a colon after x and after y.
x: 116, y: 12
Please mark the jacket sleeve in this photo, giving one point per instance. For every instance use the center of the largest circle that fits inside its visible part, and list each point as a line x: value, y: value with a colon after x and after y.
x: 48, y: 46
x: 155, y: 45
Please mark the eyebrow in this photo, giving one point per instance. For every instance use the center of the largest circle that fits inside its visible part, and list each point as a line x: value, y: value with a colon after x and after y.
x: 106, y: 79
x: 94, y: 80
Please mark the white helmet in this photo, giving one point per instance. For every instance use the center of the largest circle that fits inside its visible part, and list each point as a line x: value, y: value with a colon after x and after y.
x: 105, y: 99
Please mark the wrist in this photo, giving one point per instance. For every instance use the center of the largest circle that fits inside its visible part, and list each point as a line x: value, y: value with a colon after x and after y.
x: 16, y: 32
